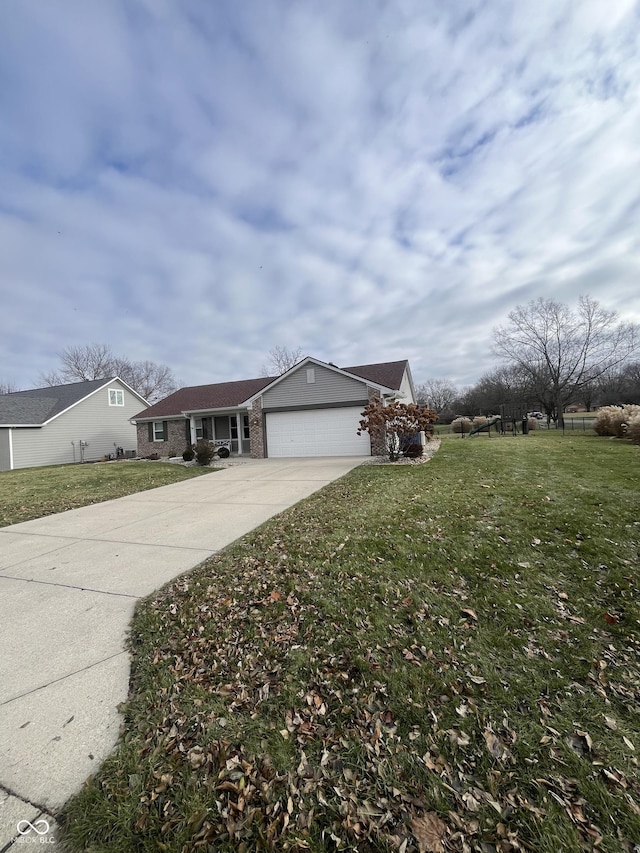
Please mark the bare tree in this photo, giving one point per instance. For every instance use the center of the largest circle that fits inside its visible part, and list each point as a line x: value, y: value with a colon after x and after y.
x: 7, y: 387
x: 152, y: 381
x: 560, y: 350
x: 621, y: 385
x: 96, y: 361
x: 438, y: 394
x: 81, y: 364
x: 632, y: 380
x: 280, y: 360
x: 503, y: 386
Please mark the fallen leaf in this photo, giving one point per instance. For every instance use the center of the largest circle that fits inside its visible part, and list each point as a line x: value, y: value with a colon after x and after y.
x: 469, y: 612
x: 495, y: 745
x: 458, y: 738
x: 429, y: 831
x: 580, y: 742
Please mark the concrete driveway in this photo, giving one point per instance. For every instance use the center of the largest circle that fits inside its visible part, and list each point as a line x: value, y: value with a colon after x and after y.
x: 68, y: 587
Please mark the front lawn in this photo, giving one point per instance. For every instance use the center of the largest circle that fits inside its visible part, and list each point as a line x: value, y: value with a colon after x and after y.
x: 34, y: 492
x: 434, y: 658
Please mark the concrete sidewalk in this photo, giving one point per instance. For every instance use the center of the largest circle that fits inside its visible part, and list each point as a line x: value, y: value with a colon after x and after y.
x: 68, y: 587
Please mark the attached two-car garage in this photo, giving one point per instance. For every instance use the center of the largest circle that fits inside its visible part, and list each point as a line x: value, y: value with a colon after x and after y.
x: 316, y: 432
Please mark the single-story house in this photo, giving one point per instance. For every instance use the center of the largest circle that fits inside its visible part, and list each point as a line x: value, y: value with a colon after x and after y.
x: 313, y: 409
x: 80, y: 422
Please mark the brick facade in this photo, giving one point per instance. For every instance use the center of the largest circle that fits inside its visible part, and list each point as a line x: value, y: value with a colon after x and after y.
x: 378, y: 435
x: 256, y: 429
x: 174, y: 444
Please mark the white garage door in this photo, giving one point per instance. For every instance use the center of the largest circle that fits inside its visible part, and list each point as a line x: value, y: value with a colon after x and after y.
x: 316, y: 432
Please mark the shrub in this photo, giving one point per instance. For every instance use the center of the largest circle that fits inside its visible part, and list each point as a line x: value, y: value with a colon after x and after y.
x: 188, y: 454
x: 633, y: 428
x: 204, y: 452
x: 398, y: 423
x: 413, y: 451
x: 461, y: 425
x: 614, y: 420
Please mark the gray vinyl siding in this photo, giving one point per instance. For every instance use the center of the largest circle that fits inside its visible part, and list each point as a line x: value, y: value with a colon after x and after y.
x: 329, y: 387
x: 5, y: 454
x: 405, y: 388
x: 93, y: 420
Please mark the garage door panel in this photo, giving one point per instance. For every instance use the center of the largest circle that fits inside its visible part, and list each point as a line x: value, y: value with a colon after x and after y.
x: 316, y: 432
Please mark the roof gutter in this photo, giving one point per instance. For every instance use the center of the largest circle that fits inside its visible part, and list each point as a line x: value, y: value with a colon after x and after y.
x: 237, y: 408
x: 189, y: 412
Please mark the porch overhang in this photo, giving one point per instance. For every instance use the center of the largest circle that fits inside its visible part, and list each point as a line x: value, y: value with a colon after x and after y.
x: 236, y: 416
x: 227, y: 410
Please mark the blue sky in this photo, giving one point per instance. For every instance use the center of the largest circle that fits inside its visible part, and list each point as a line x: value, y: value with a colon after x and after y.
x: 195, y: 183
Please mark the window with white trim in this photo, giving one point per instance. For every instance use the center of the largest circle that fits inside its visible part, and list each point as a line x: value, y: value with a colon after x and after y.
x: 116, y: 397
x: 158, y: 431
x: 311, y: 375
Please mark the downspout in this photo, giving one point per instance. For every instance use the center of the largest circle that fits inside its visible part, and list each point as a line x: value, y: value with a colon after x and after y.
x: 11, y: 448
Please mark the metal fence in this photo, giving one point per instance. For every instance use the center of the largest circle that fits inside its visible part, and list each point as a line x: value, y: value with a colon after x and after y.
x: 574, y: 424
x: 571, y: 424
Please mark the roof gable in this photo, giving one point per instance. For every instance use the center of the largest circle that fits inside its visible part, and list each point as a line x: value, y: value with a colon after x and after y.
x: 241, y: 393
x: 38, y: 406
x: 346, y: 371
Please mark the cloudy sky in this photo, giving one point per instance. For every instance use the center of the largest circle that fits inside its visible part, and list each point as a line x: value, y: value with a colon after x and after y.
x: 197, y: 182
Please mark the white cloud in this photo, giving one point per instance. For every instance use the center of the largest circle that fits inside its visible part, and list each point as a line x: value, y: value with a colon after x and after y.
x: 195, y: 185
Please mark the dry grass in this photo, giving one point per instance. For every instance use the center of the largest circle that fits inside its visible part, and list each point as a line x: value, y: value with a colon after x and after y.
x: 439, y: 657
x: 34, y: 492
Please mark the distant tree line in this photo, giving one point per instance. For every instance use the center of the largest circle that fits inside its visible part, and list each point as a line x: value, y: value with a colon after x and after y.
x: 553, y: 357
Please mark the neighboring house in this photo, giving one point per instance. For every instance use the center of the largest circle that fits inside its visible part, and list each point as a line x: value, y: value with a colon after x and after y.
x: 313, y: 409
x: 80, y: 422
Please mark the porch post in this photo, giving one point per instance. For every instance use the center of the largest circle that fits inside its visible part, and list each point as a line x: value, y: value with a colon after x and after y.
x: 240, y: 431
x: 192, y: 429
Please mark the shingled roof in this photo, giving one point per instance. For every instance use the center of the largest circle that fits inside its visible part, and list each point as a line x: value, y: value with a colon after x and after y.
x: 222, y: 395
x: 388, y: 373
x: 39, y: 405
x: 227, y: 395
